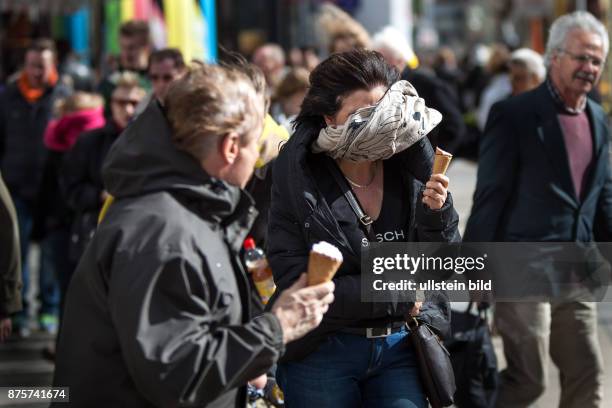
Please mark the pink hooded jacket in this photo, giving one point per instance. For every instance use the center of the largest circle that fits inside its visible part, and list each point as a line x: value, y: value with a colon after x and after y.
x: 62, y: 133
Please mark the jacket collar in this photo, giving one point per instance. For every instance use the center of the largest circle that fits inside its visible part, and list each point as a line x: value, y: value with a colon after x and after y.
x: 558, y: 100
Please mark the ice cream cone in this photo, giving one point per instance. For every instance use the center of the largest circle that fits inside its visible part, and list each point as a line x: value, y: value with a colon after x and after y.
x: 323, y: 262
x: 441, y: 161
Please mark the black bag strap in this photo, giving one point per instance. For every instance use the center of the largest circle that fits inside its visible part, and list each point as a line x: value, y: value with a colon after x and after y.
x: 364, y: 219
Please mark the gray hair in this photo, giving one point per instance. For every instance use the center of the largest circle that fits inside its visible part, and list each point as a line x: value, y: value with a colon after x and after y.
x: 209, y: 102
x: 393, y: 40
x: 578, y: 20
x: 531, y: 60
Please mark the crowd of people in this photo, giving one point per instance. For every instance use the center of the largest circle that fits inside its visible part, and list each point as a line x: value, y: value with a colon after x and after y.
x: 188, y: 159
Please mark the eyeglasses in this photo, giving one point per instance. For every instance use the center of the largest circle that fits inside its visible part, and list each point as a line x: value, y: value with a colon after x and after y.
x: 583, y: 58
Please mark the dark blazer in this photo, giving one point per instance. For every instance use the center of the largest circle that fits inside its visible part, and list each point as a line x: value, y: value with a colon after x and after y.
x: 525, y: 191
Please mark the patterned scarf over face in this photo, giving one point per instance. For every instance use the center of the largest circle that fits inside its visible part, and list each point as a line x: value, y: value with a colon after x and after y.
x: 377, y: 132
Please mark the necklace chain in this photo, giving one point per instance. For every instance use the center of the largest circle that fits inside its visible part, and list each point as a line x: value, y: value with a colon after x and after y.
x: 352, y: 183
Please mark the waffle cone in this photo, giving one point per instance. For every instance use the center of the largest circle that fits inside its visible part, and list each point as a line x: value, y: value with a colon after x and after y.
x: 441, y: 161
x: 321, y: 268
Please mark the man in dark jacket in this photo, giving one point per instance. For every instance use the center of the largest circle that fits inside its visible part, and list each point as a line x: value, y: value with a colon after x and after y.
x: 25, y: 109
x: 10, y: 263
x: 544, y: 175
x: 157, y: 312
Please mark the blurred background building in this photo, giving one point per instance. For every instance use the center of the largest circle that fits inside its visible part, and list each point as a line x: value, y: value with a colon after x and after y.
x: 87, y: 29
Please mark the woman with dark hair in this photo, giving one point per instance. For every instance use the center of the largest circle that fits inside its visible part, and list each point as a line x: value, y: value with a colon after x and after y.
x: 358, y: 123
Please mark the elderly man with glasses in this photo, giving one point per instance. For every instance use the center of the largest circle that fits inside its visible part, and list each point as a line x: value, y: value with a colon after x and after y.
x: 544, y: 176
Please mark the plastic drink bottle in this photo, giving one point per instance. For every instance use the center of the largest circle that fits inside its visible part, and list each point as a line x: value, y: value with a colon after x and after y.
x: 257, y: 265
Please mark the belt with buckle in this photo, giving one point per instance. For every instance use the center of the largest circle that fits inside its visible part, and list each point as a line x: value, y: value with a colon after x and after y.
x: 374, y: 332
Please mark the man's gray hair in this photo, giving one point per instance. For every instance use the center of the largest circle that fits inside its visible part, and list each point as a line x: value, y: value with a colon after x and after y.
x: 578, y: 20
x: 394, y: 41
x: 531, y: 60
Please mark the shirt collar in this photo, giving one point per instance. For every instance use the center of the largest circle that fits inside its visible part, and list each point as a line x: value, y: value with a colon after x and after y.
x: 559, y: 103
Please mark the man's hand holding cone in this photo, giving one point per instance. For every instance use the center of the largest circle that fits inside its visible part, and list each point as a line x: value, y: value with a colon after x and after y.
x: 301, y: 307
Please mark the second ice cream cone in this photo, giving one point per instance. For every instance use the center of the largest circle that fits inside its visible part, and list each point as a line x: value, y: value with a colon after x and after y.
x: 442, y: 160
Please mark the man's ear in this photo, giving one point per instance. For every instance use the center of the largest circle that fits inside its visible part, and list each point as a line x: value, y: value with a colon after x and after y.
x: 229, y: 147
x: 329, y: 120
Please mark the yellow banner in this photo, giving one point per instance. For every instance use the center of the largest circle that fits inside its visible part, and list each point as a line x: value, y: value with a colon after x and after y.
x: 127, y: 10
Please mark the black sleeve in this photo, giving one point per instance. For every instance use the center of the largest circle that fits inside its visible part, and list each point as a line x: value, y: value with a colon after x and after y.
x: 175, y: 349
x: 436, y: 313
x: 437, y: 225
x: 417, y: 160
x: 80, y: 191
x: 497, y: 170
x: 431, y: 226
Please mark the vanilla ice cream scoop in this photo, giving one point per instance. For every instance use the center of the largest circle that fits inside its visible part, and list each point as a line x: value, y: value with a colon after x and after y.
x: 323, y: 262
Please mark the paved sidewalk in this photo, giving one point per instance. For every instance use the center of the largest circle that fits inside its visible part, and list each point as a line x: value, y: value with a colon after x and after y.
x: 22, y: 365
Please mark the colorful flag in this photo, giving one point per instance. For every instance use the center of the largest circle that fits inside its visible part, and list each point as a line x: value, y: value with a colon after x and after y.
x: 157, y: 25
x: 112, y: 20
x: 77, y: 30
x: 185, y: 24
x: 142, y: 9
x: 210, y: 30
x: 128, y: 10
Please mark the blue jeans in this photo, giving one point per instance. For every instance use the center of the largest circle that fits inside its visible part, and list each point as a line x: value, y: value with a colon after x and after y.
x: 50, y: 250
x: 351, y: 371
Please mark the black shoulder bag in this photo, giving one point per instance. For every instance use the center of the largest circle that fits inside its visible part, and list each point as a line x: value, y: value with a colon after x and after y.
x: 433, y: 358
x: 473, y: 356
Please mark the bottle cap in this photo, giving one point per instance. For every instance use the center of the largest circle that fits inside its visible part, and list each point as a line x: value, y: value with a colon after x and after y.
x: 249, y: 243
